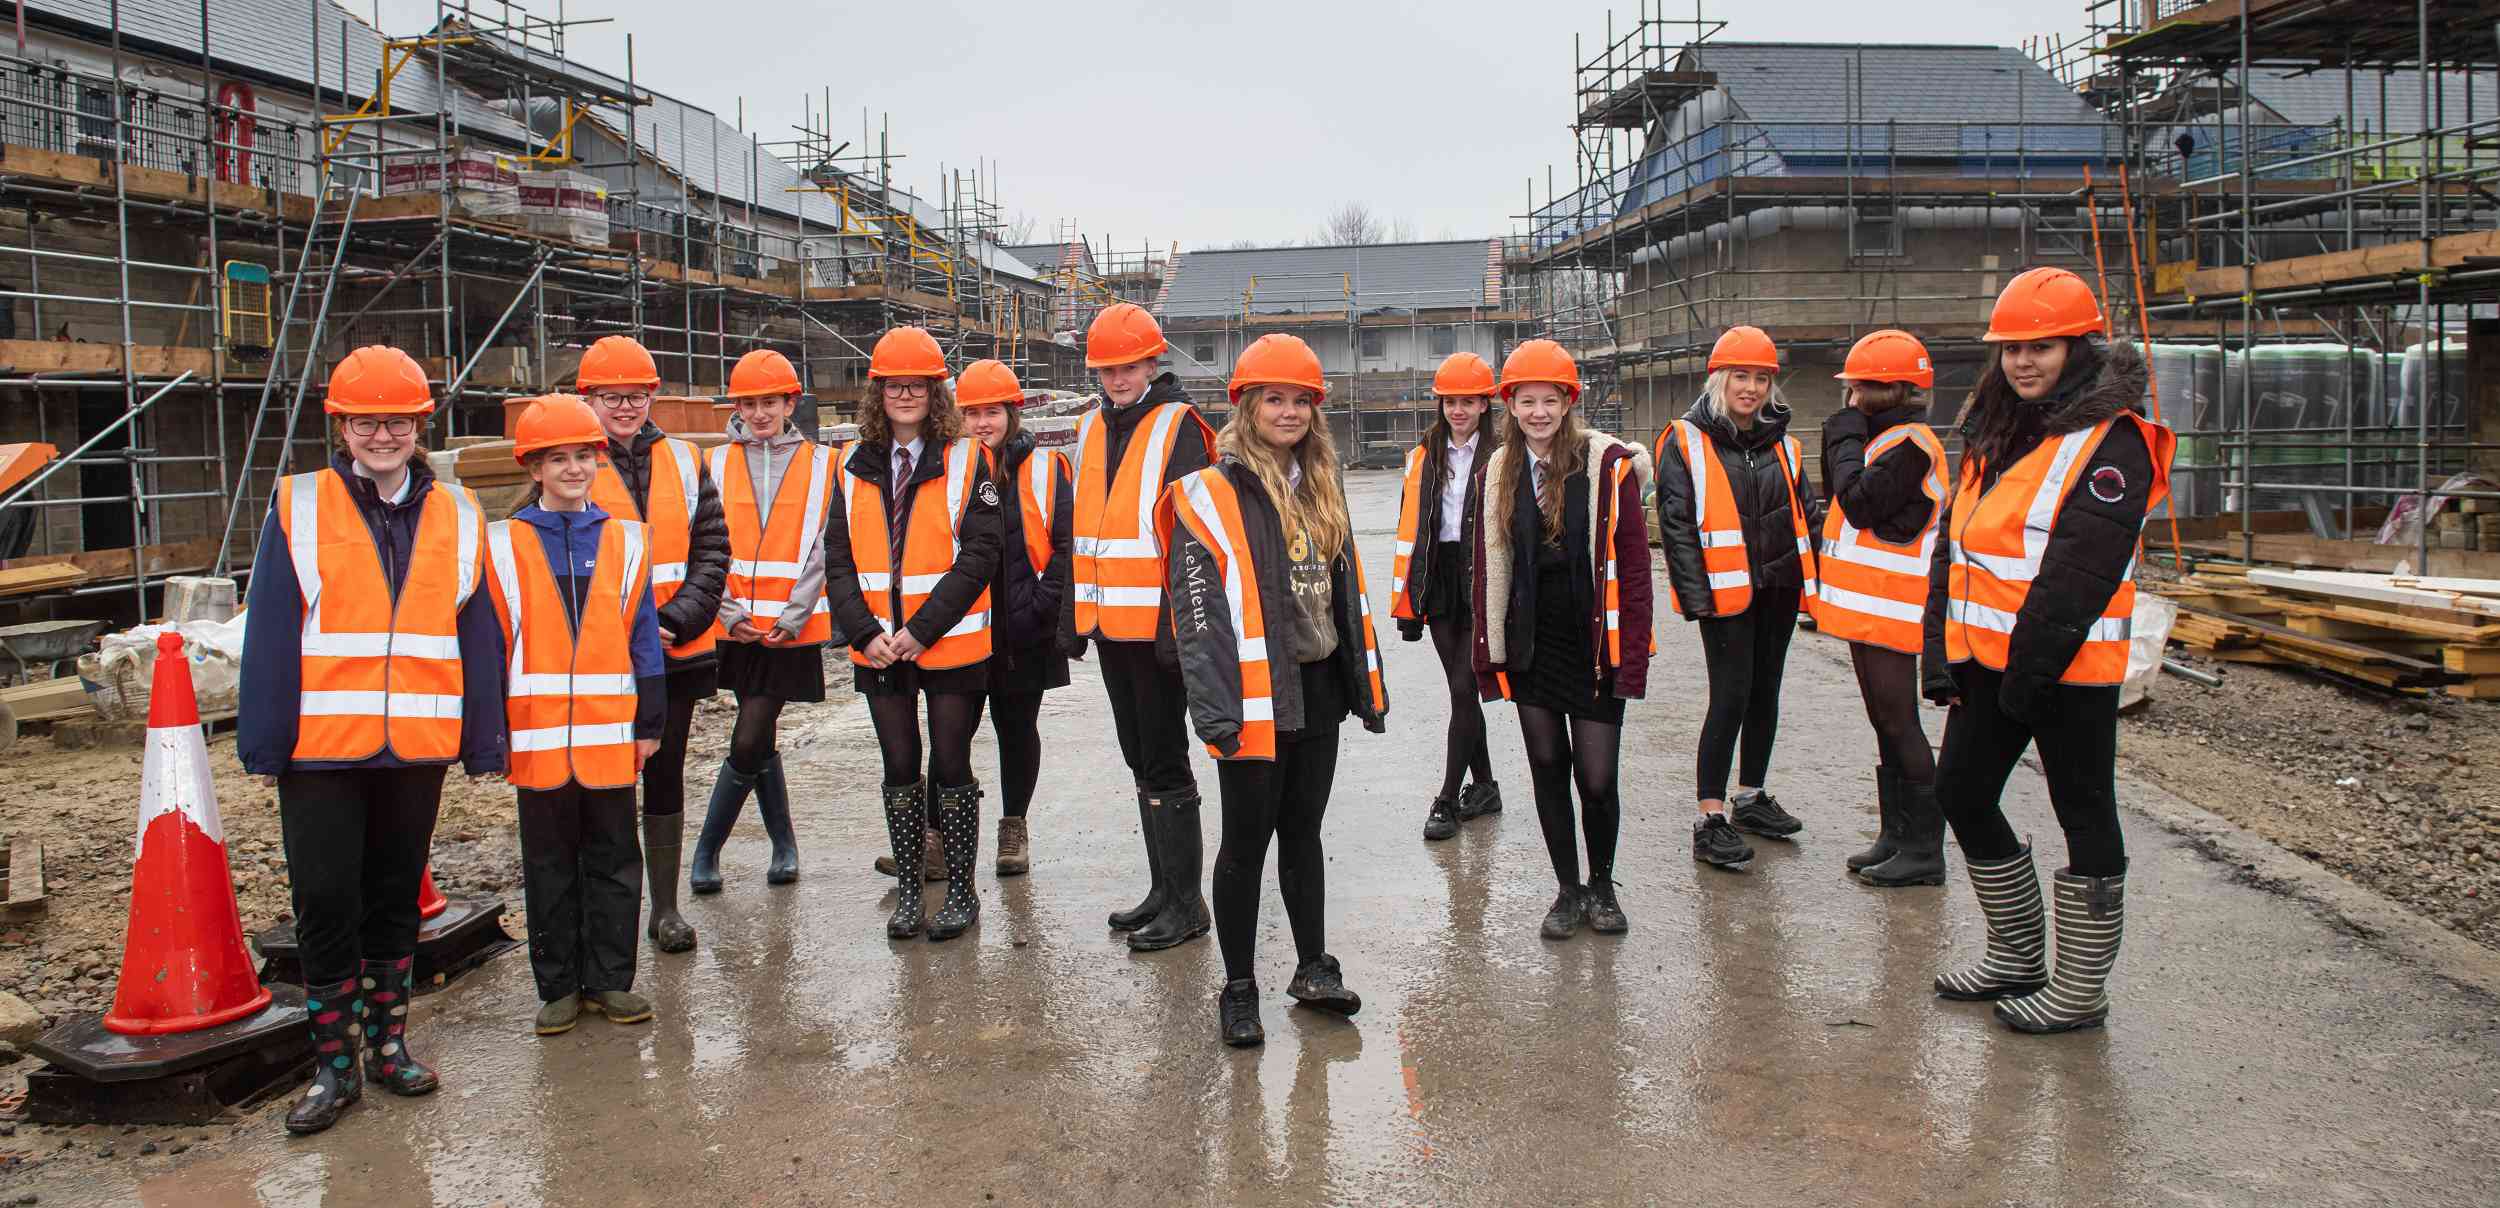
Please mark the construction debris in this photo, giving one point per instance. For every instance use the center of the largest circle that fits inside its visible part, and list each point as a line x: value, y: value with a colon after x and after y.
x: 2397, y: 632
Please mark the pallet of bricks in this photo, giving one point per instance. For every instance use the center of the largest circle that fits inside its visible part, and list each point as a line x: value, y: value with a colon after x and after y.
x: 2407, y: 633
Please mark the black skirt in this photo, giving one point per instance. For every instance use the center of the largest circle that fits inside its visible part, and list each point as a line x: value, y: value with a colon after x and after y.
x: 786, y: 673
x: 1446, y: 586
x: 911, y: 679
x: 1027, y: 671
x: 1562, y: 669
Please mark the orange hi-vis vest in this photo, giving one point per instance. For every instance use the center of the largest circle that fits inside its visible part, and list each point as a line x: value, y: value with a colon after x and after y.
x: 1722, y: 527
x: 1119, y: 563
x: 1206, y: 502
x: 568, y: 689
x: 931, y: 543
x: 674, y: 486
x: 1997, y: 538
x: 380, y: 670
x: 1873, y: 590
x: 1410, y: 514
x: 764, y: 550
x: 1037, y: 490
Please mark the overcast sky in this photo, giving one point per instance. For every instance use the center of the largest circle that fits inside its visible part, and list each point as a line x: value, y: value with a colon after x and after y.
x: 1193, y: 121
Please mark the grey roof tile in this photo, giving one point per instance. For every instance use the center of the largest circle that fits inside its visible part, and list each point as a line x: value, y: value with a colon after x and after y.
x: 1383, y: 276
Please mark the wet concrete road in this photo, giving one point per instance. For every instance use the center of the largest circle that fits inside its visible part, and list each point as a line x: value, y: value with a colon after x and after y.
x: 1765, y: 1038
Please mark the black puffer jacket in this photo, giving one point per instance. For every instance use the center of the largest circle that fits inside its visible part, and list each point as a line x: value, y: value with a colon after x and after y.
x: 976, y: 558
x: 697, y: 601
x: 1036, y: 613
x: 1889, y: 498
x: 1188, y: 457
x: 1751, y: 456
x: 2090, y: 548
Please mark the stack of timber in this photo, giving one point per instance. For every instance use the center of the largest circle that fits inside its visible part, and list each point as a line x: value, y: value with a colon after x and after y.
x: 2407, y: 633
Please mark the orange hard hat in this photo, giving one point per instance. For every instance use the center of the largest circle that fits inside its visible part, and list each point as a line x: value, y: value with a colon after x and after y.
x: 1121, y: 334
x: 1540, y: 361
x: 553, y: 420
x: 1889, y: 356
x: 2044, y: 303
x: 761, y: 374
x: 378, y: 379
x: 616, y: 361
x: 1464, y: 373
x: 906, y: 352
x: 986, y: 382
x: 1744, y: 348
x: 1278, y: 359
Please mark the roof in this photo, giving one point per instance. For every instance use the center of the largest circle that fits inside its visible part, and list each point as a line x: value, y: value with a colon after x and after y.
x: 2003, y: 98
x: 2316, y: 98
x: 1050, y: 257
x: 1382, y: 276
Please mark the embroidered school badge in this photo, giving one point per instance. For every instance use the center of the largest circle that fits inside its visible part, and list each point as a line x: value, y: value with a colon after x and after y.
x: 989, y: 494
x: 2109, y: 484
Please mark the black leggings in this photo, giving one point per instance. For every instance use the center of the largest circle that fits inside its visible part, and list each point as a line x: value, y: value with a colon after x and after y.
x: 1466, y: 750
x: 1563, y: 749
x: 1016, y: 717
x: 356, y: 845
x: 1746, y: 655
x: 1888, y: 684
x: 2078, y: 756
x: 1284, y: 799
x: 664, y: 774
x: 1149, y: 711
x: 953, y: 718
x: 753, y: 739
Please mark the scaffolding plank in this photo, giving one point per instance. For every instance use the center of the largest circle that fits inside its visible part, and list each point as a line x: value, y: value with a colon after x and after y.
x: 2384, y: 261
x: 58, y: 356
x: 154, y: 184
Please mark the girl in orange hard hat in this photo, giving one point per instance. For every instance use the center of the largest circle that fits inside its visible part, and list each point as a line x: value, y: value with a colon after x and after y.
x: 773, y: 620
x: 911, y: 547
x: 1887, y: 475
x: 2027, y: 638
x: 586, y: 702
x: 1734, y: 509
x: 372, y: 662
x: 1561, y: 608
x: 1437, y: 514
x: 1274, y: 632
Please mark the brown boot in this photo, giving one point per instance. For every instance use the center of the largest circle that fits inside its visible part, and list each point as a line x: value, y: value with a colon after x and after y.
x: 1015, y: 852
x: 932, y: 863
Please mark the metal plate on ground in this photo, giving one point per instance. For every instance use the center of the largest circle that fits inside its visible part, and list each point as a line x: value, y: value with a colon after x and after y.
x: 465, y: 935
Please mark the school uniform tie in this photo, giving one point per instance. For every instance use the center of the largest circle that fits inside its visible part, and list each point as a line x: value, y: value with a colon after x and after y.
x: 897, y: 510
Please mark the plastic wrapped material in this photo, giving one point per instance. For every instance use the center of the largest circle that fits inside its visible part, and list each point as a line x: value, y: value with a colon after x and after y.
x: 566, y: 204
x: 2406, y: 518
x: 196, y: 598
x: 2154, y: 616
x: 484, y: 184
x: 117, y: 675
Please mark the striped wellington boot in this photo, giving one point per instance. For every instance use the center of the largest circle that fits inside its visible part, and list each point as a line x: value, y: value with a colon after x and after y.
x: 2091, y: 918
x: 2015, y: 964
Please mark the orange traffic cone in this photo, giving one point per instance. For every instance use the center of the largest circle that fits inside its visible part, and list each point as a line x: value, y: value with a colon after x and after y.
x: 184, y: 967
x: 430, y: 901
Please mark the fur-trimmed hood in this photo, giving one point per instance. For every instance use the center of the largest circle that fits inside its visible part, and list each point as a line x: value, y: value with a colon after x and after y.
x: 1496, y: 593
x: 2115, y: 384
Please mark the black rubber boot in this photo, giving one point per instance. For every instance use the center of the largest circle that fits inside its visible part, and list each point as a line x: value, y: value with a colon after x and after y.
x: 663, y: 837
x: 1148, y: 819
x: 1237, y: 1014
x: 772, y: 800
x: 729, y: 799
x: 1478, y: 799
x: 1888, y: 826
x: 906, y: 817
x: 338, y: 1081
x: 1441, y: 821
x: 388, y: 985
x: 1184, y: 916
x: 1919, y: 860
x: 959, y: 833
x: 1320, y: 983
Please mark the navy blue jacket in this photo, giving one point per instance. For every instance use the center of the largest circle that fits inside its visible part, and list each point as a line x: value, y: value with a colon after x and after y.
x: 273, y: 640
x: 571, y: 540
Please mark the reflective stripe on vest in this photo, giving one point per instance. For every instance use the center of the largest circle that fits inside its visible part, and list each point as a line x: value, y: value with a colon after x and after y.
x: 765, y: 548
x: 931, y: 542
x: 1037, y: 492
x: 1997, y: 539
x: 1873, y: 590
x: 674, y: 490
x: 1722, y: 528
x: 568, y: 687
x: 380, y: 670
x: 1410, y: 512
x: 1118, y: 578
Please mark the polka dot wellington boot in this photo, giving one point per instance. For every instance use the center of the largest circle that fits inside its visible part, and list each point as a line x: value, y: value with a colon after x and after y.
x: 333, y: 1011
x: 388, y: 986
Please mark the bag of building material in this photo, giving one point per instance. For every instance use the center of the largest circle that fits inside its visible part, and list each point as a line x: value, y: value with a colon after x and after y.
x: 566, y: 204
x: 484, y: 183
x: 2154, y: 615
x: 117, y: 675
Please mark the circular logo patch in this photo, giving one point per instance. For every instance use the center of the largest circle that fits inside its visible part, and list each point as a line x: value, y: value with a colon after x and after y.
x: 989, y: 494
x: 2109, y: 484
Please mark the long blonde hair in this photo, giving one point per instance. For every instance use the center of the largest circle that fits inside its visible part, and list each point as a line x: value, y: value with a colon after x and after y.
x: 1571, y: 451
x: 1317, y: 508
x: 1715, y: 389
x: 945, y: 421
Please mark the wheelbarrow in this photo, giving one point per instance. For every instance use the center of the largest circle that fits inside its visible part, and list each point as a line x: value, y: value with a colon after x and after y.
x: 49, y: 643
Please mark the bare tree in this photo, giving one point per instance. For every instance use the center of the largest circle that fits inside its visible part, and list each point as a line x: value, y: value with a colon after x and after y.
x: 1351, y: 223
x: 1238, y: 245
x: 1017, y: 231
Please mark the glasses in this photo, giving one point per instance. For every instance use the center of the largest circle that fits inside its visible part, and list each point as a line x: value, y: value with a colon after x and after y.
x: 908, y: 387
x: 397, y: 425
x: 622, y: 402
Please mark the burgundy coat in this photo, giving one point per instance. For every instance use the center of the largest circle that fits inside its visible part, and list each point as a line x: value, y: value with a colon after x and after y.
x: 1620, y: 472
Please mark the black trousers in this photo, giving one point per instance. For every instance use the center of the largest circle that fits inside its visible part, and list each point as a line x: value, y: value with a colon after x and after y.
x: 664, y: 774
x: 1149, y: 708
x: 1746, y: 655
x: 2078, y: 756
x: 1016, y: 717
x: 1283, y: 799
x: 581, y: 877
x: 356, y: 847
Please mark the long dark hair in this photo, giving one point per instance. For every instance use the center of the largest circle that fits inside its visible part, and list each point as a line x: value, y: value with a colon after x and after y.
x: 1998, y: 423
x: 1571, y: 449
x: 1436, y: 440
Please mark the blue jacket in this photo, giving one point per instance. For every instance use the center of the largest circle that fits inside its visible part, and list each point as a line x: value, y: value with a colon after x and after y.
x: 273, y: 641
x: 571, y: 540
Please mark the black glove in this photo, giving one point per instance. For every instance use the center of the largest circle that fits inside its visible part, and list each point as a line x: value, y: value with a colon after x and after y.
x: 1410, y: 629
x: 1071, y: 645
x: 2026, y: 697
x: 1935, y: 682
x: 1846, y: 422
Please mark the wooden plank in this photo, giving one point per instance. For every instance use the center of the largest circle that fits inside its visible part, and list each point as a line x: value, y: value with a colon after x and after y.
x: 2483, y: 688
x: 2333, y: 654
x: 48, y: 700
x: 83, y: 171
x: 179, y: 558
x: 2468, y: 587
x: 2377, y: 589
x: 21, y: 871
x: 28, y: 580
x: 2471, y: 660
x: 60, y: 356
x: 2385, y: 260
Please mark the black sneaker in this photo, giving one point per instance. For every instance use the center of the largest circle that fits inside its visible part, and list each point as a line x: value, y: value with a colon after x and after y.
x: 1442, y: 822
x: 1571, y: 908
x: 1717, y: 844
x: 1237, y: 1014
x: 1761, y: 814
x: 1478, y: 799
x: 1320, y: 983
x: 1605, y: 916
